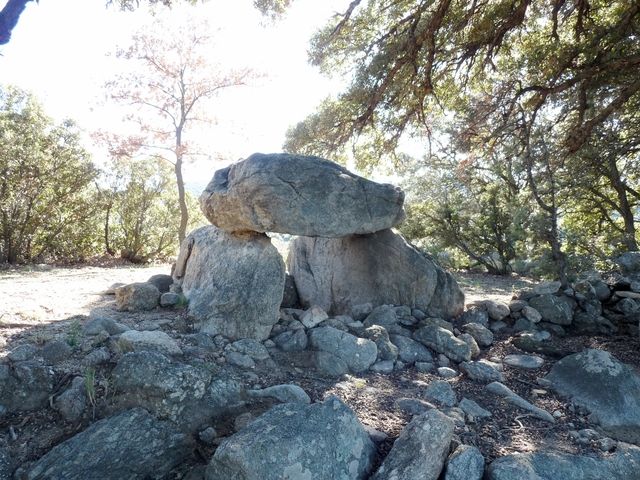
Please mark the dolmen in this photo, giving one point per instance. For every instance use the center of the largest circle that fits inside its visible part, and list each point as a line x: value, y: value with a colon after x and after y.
x: 345, y: 254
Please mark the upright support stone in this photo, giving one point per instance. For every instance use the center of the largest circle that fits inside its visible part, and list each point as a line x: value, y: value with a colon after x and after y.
x: 233, y: 283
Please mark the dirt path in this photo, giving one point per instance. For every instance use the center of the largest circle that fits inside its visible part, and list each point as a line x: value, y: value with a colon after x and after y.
x: 35, y: 296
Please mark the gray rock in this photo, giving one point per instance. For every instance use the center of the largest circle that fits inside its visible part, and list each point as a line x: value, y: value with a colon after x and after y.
x: 208, y: 436
x: 233, y: 283
x: 102, y: 324
x: 547, y: 288
x: 72, y: 403
x: 384, y: 366
x: 430, y: 434
x: 153, y: 340
x: 330, y: 364
x: 440, y: 392
x: 290, y: 298
x: 496, y: 310
x: 498, y: 388
x: 481, y: 371
x: 475, y: 314
x: 413, y: 406
x: 132, y: 445
x: 524, y: 325
x: 497, y: 327
x: 481, y: 334
x: 384, y: 315
x: 55, y: 351
x: 243, y: 420
x: 161, y: 281
x: 361, y: 311
x: 529, y: 362
x: 299, y: 195
x: 624, y: 464
x: 97, y: 357
x: 471, y: 342
x: 553, y: 309
x: 250, y: 347
x: 380, y: 268
x: 607, y: 388
x: 6, y: 465
x: 358, y: 353
x: 447, y: 372
x: 465, y: 463
x: 531, y: 314
x: 292, y: 340
x: 425, y: 367
x: 282, y: 393
x: 170, y: 299
x: 313, y: 316
x: 319, y: 441
x: 473, y: 410
x: 240, y: 360
x: 629, y: 262
x: 517, y: 305
x: 25, y: 386
x: 379, y: 335
x: 22, y: 353
x: 137, y: 297
x: 601, y: 289
x: 376, y: 435
x: 443, y: 341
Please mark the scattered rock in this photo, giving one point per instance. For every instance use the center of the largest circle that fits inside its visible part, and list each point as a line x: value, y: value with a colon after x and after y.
x: 137, y: 297
x: 161, y: 281
x: 511, y: 397
x: 97, y: 357
x: 529, y: 362
x: 624, y: 464
x: 447, y: 372
x: 481, y: 335
x: 379, y: 335
x: 330, y: 364
x: 292, y: 340
x: 319, y: 441
x: 413, y: 406
x: 170, y: 299
x: 156, y: 340
x: 629, y: 262
x: 240, y: 360
x: 233, y: 283
x: 481, y: 371
x: 409, y: 350
x: 98, y: 325
x: 23, y: 353
x: 361, y: 311
x: 250, y: 347
x: 384, y: 316
x: 465, y: 463
x: 474, y: 314
x: 129, y: 445
x: 313, y: 317
x: 443, y: 341
x: 25, y: 386
x: 531, y: 314
x: 379, y: 268
x: 472, y: 409
x: 440, y: 392
x: 425, y: 367
x: 547, y: 288
x: 358, y: 353
x: 553, y: 309
x: 208, y: 436
x: 55, y: 351
x: 282, y: 393
x: 384, y: 366
x: 72, y: 403
x: 607, y: 388
x: 496, y: 310
x: 430, y: 434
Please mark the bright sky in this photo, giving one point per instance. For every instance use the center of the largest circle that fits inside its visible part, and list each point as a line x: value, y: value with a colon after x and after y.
x: 60, y: 51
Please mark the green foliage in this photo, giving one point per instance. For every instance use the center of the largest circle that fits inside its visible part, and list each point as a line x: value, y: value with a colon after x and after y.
x: 46, y: 179
x: 74, y: 334
x: 140, y: 210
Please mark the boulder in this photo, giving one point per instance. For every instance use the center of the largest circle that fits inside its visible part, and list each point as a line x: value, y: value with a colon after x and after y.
x: 381, y: 268
x: 607, y: 388
x: 73, y: 401
x: 25, y: 386
x: 299, y: 195
x: 558, y: 310
x: 292, y: 340
x: 379, y: 335
x: 465, y: 463
x: 420, y: 450
x: 445, y: 342
x: 624, y: 464
x: 132, y: 445
x: 496, y: 310
x: 440, y: 392
x: 233, y: 283
x: 629, y: 262
x: 482, y: 335
x: 293, y: 440
x: 410, y: 351
x: 137, y: 297
x: 161, y: 281
x: 330, y: 364
x: 358, y: 353
x: 154, y: 340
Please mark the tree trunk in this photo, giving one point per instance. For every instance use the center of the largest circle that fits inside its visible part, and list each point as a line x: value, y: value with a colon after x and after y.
x: 629, y: 236
x: 184, y: 213
x: 107, y: 246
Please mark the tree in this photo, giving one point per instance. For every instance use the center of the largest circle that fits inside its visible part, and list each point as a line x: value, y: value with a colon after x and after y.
x: 169, y: 91
x: 46, y: 178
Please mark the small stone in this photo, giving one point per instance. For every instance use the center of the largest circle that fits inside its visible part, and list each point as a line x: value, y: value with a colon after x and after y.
x: 242, y: 421
x: 412, y: 406
x: 385, y: 366
x: 481, y: 335
x: 97, y: 325
x: 496, y: 310
x: 56, y: 351
x: 481, y: 371
x: 440, y: 391
x: 547, y: 288
x: 268, y: 343
x: 524, y: 325
x: 169, y: 299
x: 471, y: 342
x: 161, y: 281
x: 517, y: 305
x: 472, y: 409
x: 240, y: 360
x: 292, y: 340
x: 208, y: 436
x: 425, y: 367
x: 497, y: 327
x: 330, y: 364
x: 607, y: 444
x: 137, y: 297
x: 155, y: 340
x: 286, y: 393
x: 530, y: 362
x: 465, y: 463
x: 447, y: 372
x: 531, y: 314
x: 253, y: 348
x: 362, y: 311
x: 375, y: 435
x: 443, y: 360
x: 97, y: 357
x: 313, y: 316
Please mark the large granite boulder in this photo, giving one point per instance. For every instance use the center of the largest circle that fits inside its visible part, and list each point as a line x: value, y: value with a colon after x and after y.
x: 132, y: 445
x: 299, y: 195
x: 293, y: 440
x: 554, y: 309
x: 609, y: 389
x: 233, y: 283
x: 624, y: 464
x: 381, y: 268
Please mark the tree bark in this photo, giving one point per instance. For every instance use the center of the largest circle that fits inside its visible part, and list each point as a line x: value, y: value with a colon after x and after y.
x: 626, y: 211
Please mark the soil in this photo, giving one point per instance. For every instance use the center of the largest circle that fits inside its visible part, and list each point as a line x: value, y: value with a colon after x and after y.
x: 41, y: 304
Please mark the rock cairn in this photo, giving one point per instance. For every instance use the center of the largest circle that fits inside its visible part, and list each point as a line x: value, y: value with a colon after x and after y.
x: 346, y: 254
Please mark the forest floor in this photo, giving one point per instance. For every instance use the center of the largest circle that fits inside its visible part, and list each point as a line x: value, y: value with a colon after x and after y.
x: 42, y: 303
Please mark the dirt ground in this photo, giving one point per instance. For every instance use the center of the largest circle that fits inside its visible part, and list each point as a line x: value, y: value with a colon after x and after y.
x: 42, y: 303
